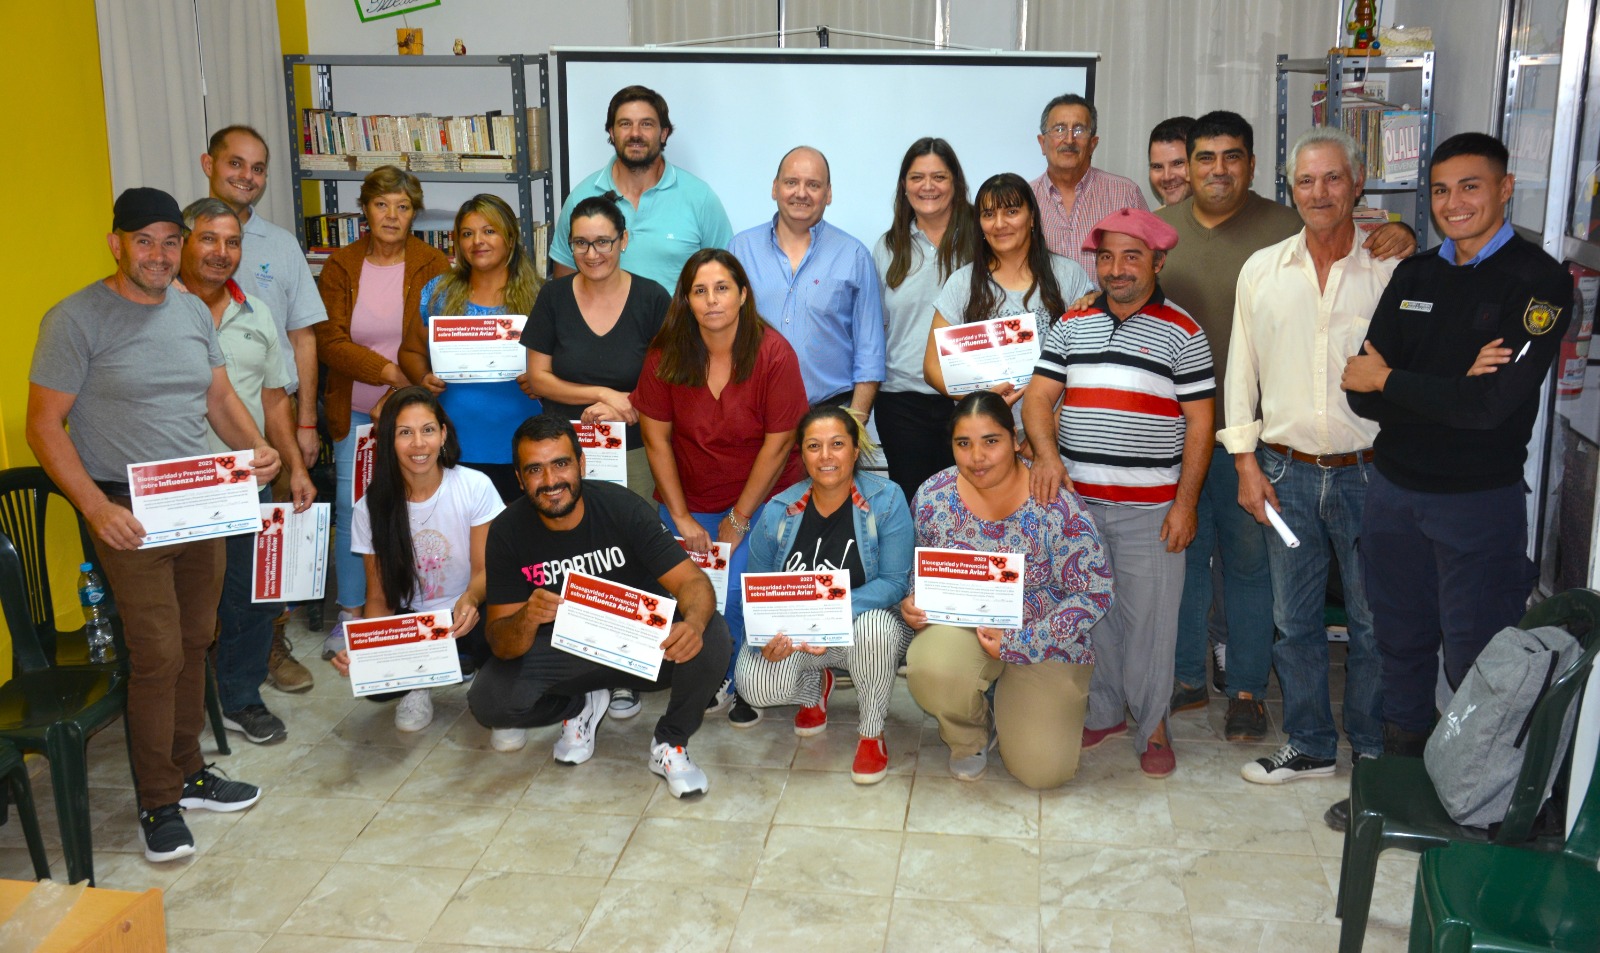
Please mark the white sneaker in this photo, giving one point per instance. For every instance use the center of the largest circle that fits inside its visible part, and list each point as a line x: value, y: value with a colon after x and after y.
x: 721, y: 699
x: 415, y: 711
x: 625, y: 703
x: 684, y: 777
x: 508, y: 739
x: 576, y: 744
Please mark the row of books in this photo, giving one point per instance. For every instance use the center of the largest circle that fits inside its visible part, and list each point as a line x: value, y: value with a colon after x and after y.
x: 330, y: 137
x: 424, y: 162
x: 1389, y: 136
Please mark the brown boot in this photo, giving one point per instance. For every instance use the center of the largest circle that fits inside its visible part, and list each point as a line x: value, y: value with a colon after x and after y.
x: 283, y: 672
x: 1246, y: 719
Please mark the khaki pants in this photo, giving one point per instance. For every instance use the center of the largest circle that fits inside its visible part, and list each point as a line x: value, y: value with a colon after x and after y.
x: 1038, y: 709
x: 640, y: 479
x: 168, y: 600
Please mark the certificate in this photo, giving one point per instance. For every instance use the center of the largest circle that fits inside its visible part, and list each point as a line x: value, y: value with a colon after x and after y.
x: 366, y: 458
x: 986, y: 354
x: 401, y: 652
x: 605, y: 450
x: 809, y: 607
x: 190, y: 498
x: 290, y: 561
x: 714, y: 563
x: 615, y: 625
x: 964, y: 587
x: 478, y: 349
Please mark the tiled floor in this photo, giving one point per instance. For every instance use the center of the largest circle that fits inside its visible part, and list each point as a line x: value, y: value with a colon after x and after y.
x: 372, y: 841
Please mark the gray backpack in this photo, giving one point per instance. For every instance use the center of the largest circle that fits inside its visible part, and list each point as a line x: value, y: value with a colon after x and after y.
x: 1475, y: 753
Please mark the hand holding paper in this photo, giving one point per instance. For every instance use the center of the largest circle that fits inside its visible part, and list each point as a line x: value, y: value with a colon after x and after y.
x: 1289, y: 538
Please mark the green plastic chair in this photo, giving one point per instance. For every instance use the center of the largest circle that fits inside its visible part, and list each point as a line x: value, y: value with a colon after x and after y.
x: 18, y: 790
x: 1393, y: 803
x: 1494, y: 898
x: 24, y: 495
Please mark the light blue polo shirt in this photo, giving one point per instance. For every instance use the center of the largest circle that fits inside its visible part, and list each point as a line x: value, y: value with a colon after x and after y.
x: 676, y: 217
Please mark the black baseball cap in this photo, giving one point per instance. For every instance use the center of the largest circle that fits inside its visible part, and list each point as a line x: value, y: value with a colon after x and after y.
x: 138, y: 207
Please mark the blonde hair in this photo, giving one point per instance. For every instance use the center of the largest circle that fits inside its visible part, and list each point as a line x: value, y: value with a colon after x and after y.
x: 522, y: 279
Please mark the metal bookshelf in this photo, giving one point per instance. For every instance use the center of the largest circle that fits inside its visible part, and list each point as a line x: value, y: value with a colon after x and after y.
x: 1334, y: 69
x: 526, y: 179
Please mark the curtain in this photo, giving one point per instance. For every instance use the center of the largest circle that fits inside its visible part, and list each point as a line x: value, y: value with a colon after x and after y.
x: 155, y: 114
x: 174, y: 71
x: 667, y: 21
x: 243, y: 66
x: 1162, y: 58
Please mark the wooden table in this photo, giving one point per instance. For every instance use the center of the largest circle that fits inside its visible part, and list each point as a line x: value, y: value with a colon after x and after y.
x: 102, y: 921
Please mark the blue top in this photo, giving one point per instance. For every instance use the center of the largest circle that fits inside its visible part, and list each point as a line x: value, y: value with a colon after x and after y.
x: 676, y: 217
x: 883, y: 537
x: 485, y: 414
x: 1447, y: 248
x: 828, y: 308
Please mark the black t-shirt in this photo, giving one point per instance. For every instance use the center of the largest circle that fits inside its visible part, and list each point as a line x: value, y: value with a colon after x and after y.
x: 619, y: 539
x: 827, y: 542
x: 579, y: 356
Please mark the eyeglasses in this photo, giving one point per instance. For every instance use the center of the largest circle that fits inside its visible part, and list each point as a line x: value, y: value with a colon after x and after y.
x: 1064, y: 131
x: 601, y: 245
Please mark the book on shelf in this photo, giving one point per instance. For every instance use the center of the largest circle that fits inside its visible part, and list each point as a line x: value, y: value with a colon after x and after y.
x: 1401, y: 144
x: 397, y: 140
x: 1388, y: 135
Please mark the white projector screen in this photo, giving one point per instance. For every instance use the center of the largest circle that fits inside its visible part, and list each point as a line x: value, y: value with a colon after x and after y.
x: 736, y: 112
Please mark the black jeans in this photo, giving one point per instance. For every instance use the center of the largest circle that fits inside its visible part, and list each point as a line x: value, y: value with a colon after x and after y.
x: 547, y: 685
x: 915, y: 430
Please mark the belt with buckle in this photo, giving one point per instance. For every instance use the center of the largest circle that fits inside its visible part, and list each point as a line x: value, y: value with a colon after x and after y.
x: 1325, y: 460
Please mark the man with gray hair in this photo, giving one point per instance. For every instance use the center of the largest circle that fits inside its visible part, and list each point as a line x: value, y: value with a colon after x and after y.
x: 1072, y: 195
x: 1301, y: 308
x: 249, y: 340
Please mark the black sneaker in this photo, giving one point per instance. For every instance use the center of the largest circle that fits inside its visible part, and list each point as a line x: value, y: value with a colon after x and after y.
x: 1219, y: 668
x: 1286, y: 764
x: 256, y: 724
x: 1247, y: 719
x: 166, y: 836
x: 1188, y: 697
x: 208, y: 790
x: 1338, y: 816
x: 624, y: 703
x: 742, y: 714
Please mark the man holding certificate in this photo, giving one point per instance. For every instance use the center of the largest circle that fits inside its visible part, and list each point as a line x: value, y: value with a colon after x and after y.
x: 604, y: 537
x: 136, y: 369
x: 1133, y: 374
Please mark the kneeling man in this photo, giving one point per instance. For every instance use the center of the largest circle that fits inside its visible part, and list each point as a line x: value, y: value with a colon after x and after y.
x: 565, y: 525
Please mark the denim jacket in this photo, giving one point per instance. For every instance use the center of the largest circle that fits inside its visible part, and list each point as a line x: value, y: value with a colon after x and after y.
x: 883, y: 535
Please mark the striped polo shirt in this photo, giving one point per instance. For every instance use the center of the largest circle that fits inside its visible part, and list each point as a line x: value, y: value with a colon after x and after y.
x: 1121, y: 427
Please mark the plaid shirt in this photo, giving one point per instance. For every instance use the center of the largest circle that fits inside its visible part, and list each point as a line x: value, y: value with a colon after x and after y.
x: 1098, y: 195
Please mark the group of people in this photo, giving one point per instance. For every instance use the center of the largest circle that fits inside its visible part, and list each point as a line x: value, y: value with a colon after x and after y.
x: 745, y: 367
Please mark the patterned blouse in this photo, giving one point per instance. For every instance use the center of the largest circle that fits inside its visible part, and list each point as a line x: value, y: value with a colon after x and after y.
x: 1067, y: 580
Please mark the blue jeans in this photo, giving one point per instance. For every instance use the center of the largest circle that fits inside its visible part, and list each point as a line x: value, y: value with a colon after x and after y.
x: 736, y: 565
x: 244, y: 634
x: 348, y: 566
x: 1323, y: 506
x: 1246, y: 586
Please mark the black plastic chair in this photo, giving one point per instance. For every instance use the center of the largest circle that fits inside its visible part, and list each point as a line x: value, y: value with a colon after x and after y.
x: 18, y: 790
x: 1393, y: 803
x: 52, y: 710
x: 24, y: 496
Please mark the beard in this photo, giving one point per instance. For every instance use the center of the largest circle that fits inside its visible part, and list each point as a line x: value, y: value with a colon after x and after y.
x: 651, y: 154
x: 574, y: 493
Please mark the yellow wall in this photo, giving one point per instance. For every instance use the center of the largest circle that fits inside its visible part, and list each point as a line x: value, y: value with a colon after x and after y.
x: 293, y: 38
x: 58, y: 210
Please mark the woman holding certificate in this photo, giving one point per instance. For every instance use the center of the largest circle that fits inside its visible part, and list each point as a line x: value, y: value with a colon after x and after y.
x: 588, y: 333
x: 930, y: 237
x: 368, y: 287
x: 1011, y: 273
x: 843, y: 519
x: 718, y: 400
x: 421, y: 530
x: 1040, y: 671
x: 492, y: 275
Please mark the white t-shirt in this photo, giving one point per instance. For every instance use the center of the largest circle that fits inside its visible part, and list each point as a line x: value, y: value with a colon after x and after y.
x: 441, y: 535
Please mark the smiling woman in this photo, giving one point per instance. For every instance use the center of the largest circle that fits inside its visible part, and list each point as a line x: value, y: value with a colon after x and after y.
x: 370, y: 289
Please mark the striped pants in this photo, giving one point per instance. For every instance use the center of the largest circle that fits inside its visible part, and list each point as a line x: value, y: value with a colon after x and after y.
x: 880, y: 637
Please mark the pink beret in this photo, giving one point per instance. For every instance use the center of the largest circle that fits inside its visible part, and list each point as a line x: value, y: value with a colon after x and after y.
x: 1136, y: 222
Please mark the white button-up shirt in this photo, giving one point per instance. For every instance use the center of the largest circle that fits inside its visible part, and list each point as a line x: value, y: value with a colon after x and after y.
x: 1289, y: 346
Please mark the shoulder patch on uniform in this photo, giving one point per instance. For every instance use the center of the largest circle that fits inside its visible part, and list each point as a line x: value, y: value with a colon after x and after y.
x: 1409, y: 305
x: 1540, y: 317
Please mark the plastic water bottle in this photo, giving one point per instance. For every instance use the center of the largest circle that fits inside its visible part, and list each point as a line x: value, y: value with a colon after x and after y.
x: 96, y: 618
